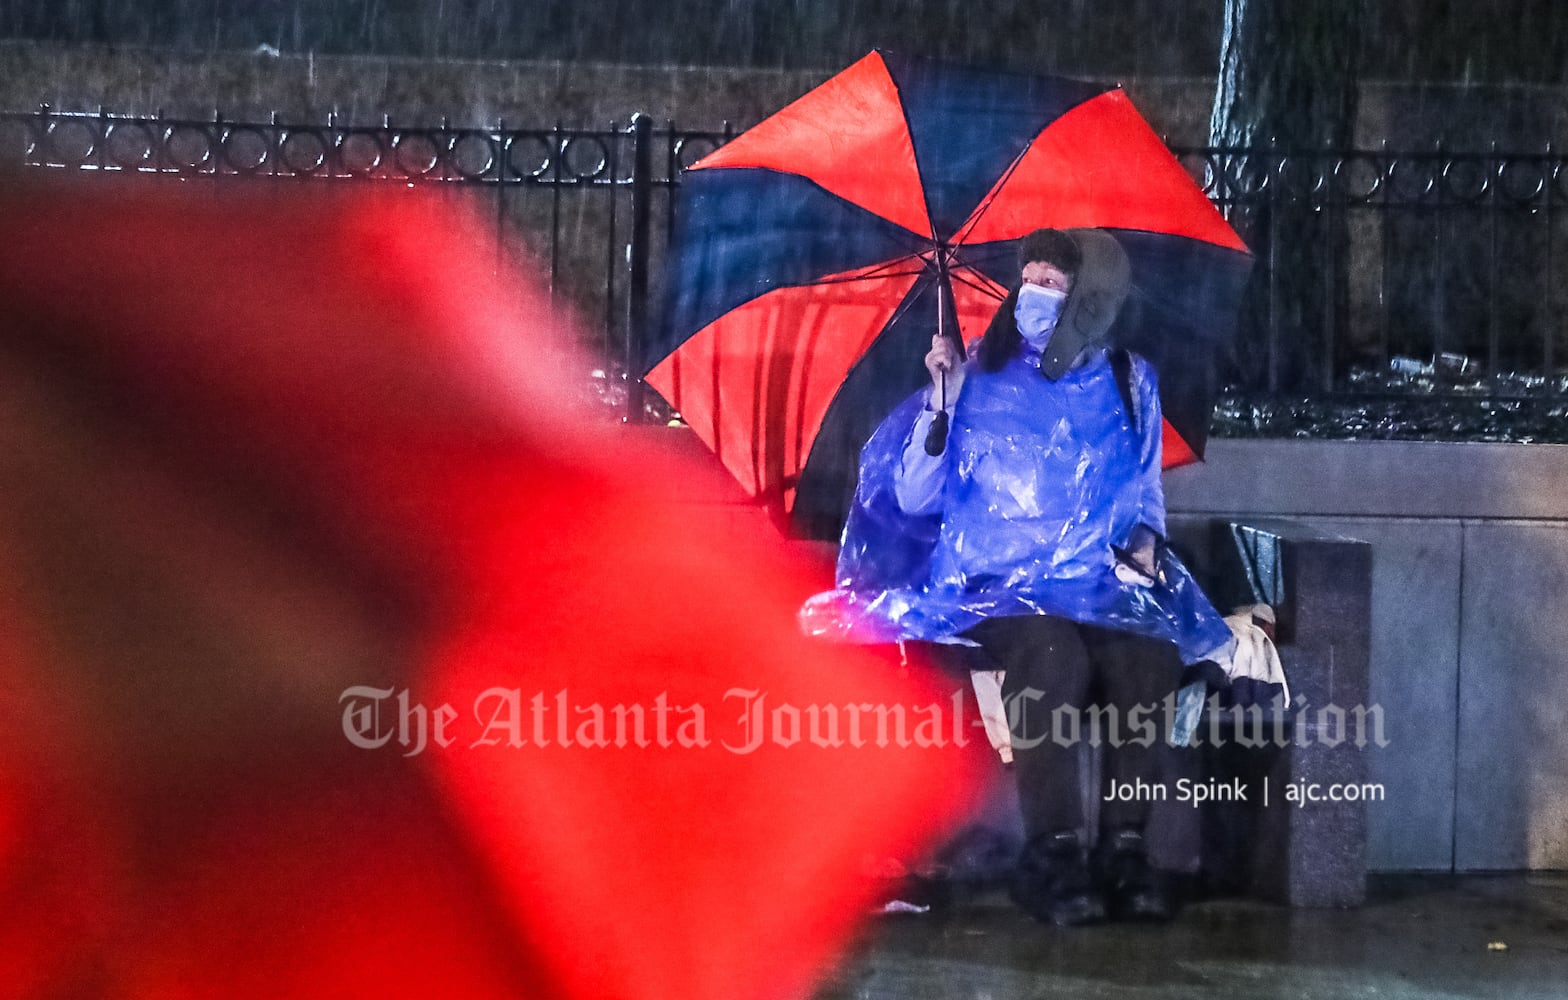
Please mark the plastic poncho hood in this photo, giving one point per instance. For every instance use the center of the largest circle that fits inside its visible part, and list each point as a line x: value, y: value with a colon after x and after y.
x: 1103, y: 280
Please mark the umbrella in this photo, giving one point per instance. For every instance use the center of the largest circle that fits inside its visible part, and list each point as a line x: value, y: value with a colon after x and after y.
x: 278, y: 475
x: 814, y: 255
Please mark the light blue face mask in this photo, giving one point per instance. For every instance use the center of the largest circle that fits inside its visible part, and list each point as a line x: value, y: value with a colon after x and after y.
x: 1037, y: 311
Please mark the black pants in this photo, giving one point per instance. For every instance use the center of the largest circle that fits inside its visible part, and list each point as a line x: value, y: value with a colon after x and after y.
x: 1057, y: 669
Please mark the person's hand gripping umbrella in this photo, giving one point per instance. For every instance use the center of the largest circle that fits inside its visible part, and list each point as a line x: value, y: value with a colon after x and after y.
x: 946, y: 364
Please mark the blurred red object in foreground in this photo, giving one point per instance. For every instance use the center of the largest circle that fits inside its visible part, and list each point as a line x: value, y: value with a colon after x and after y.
x: 275, y: 467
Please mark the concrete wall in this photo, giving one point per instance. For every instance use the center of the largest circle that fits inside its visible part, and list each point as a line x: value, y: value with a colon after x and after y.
x: 1469, y: 640
x: 363, y: 88
x: 473, y: 92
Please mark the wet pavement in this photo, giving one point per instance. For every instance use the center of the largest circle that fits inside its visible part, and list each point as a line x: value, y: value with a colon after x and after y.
x: 1492, y: 936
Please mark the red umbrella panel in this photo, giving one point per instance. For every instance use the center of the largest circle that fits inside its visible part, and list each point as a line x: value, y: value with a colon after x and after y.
x: 815, y: 255
x: 344, y: 657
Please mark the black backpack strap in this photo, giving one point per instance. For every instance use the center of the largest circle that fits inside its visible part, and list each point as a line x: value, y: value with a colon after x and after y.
x: 1121, y: 366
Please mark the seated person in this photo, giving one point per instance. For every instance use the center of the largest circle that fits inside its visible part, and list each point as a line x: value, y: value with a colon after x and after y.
x: 1029, y: 527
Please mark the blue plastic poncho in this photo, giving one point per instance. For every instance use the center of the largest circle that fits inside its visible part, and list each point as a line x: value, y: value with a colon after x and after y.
x: 1040, y: 479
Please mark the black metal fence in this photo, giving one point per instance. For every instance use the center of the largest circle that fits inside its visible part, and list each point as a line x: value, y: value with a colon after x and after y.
x: 1366, y: 258
x: 1415, y: 254
x: 582, y: 202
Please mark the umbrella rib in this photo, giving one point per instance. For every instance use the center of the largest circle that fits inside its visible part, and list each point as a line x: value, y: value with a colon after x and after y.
x: 966, y: 256
x: 883, y: 270
x: 810, y: 341
x: 904, y: 307
x: 985, y: 206
x: 987, y: 289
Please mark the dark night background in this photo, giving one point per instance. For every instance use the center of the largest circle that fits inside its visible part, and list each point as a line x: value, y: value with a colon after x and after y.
x: 1515, y: 41
x: 1400, y: 274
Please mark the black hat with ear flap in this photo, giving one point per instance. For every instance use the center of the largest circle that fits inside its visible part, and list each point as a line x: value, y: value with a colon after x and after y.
x: 1099, y: 289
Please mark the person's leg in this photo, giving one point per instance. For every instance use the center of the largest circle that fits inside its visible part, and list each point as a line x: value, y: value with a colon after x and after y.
x: 1132, y: 673
x: 1047, y: 668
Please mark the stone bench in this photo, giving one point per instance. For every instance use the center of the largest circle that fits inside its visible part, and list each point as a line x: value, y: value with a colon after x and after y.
x: 1302, y: 853
x: 1312, y: 855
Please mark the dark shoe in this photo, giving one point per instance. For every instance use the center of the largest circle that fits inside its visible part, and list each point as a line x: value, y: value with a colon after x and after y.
x: 1134, y: 889
x: 1053, y: 885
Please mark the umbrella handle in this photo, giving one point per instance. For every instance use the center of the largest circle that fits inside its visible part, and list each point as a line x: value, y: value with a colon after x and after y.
x: 936, y: 437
